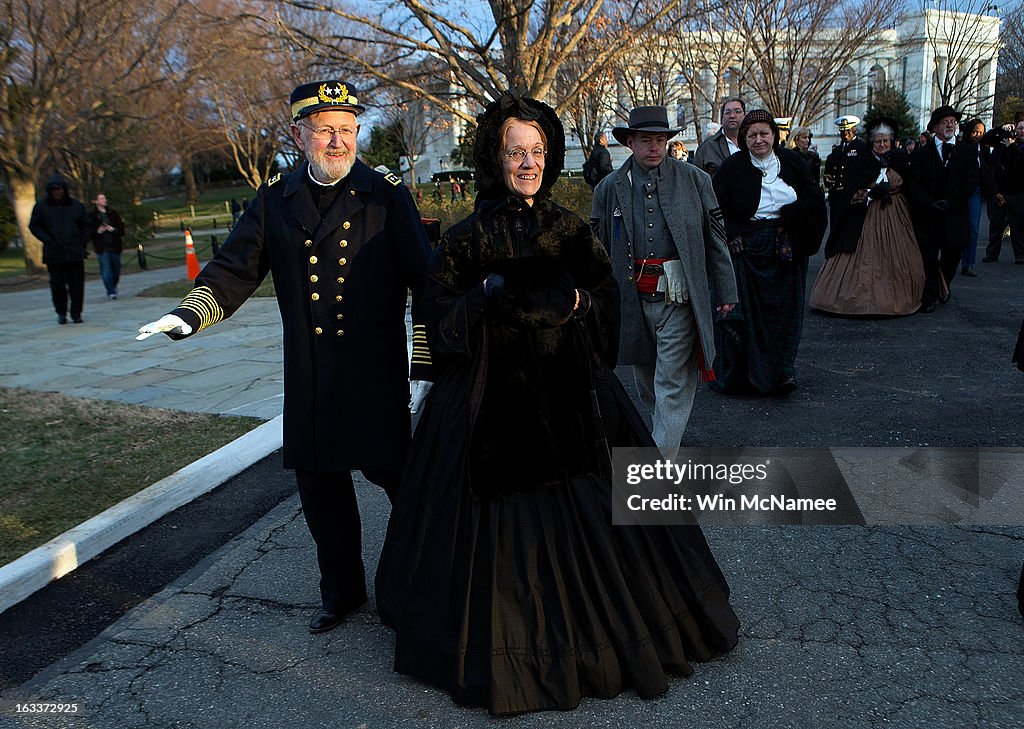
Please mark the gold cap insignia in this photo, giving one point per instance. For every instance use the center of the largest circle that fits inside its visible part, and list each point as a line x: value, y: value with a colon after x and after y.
x: 335, y: 94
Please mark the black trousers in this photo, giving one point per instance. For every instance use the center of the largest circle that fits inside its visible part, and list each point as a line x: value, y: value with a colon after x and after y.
x: 939, y: 259
x: 67, y: 279
x: 332, y: 515
x: 996, y: 226
x: 1020, y: 592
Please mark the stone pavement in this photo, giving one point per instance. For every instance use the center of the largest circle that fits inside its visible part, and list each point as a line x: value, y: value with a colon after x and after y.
x: 233, y: 369
x: 841, y: 626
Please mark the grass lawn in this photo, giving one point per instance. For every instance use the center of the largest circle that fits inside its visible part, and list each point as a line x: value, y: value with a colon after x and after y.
x: 167, y: 247
x: 65, y: 459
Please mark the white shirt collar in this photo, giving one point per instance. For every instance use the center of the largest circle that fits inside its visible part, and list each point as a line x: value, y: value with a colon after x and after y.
x: 309, y: 171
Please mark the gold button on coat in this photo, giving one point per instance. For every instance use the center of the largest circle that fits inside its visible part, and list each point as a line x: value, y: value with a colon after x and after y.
x: 314, y: 278
x: 308, y: 244
x: 340, y: 317
x: 342, y: 261
x: 318, y: 330
x: 341, y: 332
x: 343, y: 243
x: 346, y: 225
x: 313, y: 259
x: 315, y: 297
x: 340, y: 279
x: 338, y: 297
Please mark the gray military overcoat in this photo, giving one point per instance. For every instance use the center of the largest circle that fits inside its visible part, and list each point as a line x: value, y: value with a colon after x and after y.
x: 691, y: 211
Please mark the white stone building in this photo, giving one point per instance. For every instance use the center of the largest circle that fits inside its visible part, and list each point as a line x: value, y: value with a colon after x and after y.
x: 927, y: 56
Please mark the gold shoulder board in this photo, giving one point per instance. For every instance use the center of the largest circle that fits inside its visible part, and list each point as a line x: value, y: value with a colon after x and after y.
x: 393, y: 179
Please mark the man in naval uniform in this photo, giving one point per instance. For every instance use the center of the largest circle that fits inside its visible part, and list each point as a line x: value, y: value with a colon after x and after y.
x: 839, y: 167
x: 345, y: 244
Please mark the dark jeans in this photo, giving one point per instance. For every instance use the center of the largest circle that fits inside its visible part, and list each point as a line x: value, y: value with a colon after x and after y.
x: 974, y: 211
x: 332, y: 515
x: 110, y: 270
x: 67, y: 279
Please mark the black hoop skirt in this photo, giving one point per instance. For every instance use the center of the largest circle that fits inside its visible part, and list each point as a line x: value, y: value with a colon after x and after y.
x: 533, y: 600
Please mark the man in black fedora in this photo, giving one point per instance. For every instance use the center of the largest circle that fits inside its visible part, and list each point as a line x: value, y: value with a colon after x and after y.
x: 943, y: 175
x: 660, y: 221
x: 345, y: 244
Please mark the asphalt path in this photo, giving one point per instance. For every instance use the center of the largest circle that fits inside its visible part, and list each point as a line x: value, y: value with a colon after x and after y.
x: 73, y: 610
x: 928, y: 380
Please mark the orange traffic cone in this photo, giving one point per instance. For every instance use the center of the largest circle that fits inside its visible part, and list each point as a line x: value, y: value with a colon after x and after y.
x: 191, y: 261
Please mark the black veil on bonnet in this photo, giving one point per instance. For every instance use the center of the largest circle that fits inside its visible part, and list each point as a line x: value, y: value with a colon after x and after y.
x: 490, y: 182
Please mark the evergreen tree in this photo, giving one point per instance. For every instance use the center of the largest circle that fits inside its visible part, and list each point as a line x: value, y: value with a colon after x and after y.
x: 384, y: 148
x: 890, y: 103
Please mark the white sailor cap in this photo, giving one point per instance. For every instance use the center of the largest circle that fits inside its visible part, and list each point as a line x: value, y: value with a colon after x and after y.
x: 848, y: 121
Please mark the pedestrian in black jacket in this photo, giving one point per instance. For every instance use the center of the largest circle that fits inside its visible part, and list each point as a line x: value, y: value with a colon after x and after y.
x: 943, y: 175
x: 107, y: 231
x: 1008, y: 167
x: 60, y: 222
x: 599, y: 164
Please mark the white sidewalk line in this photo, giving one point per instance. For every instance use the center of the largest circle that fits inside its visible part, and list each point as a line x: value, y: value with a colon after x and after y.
x: 64, y: 553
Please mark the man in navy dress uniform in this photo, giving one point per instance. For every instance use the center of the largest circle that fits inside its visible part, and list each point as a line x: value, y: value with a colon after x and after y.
x: 345, y: 244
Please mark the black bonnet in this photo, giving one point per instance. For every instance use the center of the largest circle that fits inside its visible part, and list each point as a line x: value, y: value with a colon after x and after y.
x: 490, y: 183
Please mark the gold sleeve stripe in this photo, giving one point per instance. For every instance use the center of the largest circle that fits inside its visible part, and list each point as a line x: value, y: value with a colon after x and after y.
x: 200, y: 301
x: 420, y: 348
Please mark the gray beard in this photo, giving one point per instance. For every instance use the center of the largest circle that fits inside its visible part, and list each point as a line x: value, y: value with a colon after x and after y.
x: 334, y: 171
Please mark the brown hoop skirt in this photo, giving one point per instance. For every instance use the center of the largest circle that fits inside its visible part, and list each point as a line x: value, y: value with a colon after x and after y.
x: 884, y: 276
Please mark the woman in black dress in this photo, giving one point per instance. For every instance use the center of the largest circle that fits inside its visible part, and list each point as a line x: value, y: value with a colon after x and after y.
x: 774, y: 220
x: 501, y: 573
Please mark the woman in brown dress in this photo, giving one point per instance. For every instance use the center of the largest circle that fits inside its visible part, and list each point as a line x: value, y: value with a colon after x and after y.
x: 872, y: 262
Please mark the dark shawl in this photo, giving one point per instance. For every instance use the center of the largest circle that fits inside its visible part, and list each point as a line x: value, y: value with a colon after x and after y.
x: 738, y: 188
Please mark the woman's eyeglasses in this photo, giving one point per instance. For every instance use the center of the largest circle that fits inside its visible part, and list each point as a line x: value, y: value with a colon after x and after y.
x: 518, y: 155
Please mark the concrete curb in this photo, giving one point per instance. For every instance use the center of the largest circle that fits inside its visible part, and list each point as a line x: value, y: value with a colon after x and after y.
x: 64, y: 553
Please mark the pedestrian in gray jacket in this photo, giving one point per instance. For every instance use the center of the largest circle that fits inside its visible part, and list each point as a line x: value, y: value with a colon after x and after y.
x: 660, y: 221
x: 724, y: 143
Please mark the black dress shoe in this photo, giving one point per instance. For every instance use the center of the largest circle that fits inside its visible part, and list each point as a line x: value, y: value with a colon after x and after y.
x: 968, y: 271
x: 76, y: 319
x: 927, y: 308
x: 61, y: 319
x: 324, y: 621
x: 786, y: 386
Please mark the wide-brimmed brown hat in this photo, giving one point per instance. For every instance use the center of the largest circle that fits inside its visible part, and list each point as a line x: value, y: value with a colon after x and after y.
x: 650, y: 119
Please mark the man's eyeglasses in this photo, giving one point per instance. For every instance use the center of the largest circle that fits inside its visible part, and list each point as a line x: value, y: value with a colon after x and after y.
x: 518, y: 155
x: 329, y: 132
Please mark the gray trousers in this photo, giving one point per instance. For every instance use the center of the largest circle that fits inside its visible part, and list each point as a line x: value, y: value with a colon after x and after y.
x: 667, y: 387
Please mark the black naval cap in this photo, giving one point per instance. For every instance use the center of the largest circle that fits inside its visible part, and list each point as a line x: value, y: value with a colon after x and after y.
x: 330, y: 95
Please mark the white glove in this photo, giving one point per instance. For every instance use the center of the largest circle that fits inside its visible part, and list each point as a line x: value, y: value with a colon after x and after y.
x: 166, y: 323
x: 420, y: 388
x: 675, y: 282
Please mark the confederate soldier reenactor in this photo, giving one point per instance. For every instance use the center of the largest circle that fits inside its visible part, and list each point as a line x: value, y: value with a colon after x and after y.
x: 660, y: 221
x: 344, y: 244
